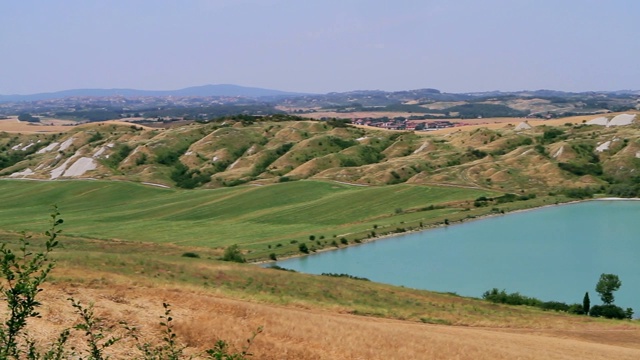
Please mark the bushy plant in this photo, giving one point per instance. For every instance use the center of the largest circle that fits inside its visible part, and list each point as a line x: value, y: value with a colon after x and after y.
x: 23, y: 272
x: 501, y: 297
x: 232, y: 253
x: 555, y: 305
x: 190, y: 254
x: 610, y: 311
x: 576, y: 309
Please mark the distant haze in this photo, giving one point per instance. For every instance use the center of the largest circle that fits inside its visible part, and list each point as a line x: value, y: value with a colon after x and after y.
x: 319, y: 46
x: 204, y: 90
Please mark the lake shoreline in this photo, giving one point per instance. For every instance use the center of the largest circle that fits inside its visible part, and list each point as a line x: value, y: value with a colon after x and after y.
x: 433, y: 227
x: 553, y: 255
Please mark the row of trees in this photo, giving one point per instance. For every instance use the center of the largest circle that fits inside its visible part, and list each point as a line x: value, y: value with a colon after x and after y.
x: 606, y: 286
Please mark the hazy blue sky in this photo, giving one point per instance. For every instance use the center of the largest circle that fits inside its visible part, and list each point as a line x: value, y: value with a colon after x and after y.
x: 320, y: 46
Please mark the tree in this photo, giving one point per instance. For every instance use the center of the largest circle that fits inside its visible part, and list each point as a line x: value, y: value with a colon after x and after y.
x: 607, y: 284
x: 586, y: 303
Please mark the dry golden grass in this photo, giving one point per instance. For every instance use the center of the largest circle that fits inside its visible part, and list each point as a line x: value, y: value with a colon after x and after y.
x: 501, y: 123
x: 306, y: 330
x: 13, y: 125
x: 51, y: 125
x: 119, y: 122
x: 295, y: 333
x: 505, y: 123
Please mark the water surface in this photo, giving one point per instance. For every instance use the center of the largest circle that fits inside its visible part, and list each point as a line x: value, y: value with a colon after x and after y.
x: 554, y: 253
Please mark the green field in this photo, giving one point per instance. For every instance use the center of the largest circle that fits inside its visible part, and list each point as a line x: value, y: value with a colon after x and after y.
x: 252, y: 216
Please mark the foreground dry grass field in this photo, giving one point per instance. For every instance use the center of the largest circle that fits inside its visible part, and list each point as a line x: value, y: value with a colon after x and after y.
x: 299, y: 332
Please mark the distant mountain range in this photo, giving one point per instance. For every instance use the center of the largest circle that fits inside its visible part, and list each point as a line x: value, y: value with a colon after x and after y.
x: 205, y: 90
x: 271, y: 95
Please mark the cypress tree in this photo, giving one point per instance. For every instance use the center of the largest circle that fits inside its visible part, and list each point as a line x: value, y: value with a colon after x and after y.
x: 586, y: 303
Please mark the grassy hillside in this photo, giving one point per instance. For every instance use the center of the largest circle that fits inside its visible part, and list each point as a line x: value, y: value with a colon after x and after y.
x: 262, y: 219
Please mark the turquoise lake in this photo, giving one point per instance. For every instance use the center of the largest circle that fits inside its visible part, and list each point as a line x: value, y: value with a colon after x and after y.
x: 553, y: 253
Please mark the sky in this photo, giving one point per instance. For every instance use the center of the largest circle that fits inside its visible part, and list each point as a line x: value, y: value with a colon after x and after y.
x: 320, y: 46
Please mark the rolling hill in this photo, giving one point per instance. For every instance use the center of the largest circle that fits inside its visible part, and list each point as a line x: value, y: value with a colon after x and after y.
x: 280, y: 148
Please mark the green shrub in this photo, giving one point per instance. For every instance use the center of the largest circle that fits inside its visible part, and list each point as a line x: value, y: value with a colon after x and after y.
x: 554, y: 305
x: 541, y: 150
x: 475, y: 153
x: 626, y: 190
x: 506, y: 198
x: 95, y: 137
x: 576, y: 309
x: 190, y: 255
x: 551, y: 135
x: 501, y: 297
x: 579, y: 193
x: 168, y: 156
x: 582, y: 169
x: 186, y: 178
x: 609, y: 311
x: 120, y: 152
x: 232, y: 253
x: 142, y: 159
x: 278, y: 267
x: 345, y: 276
